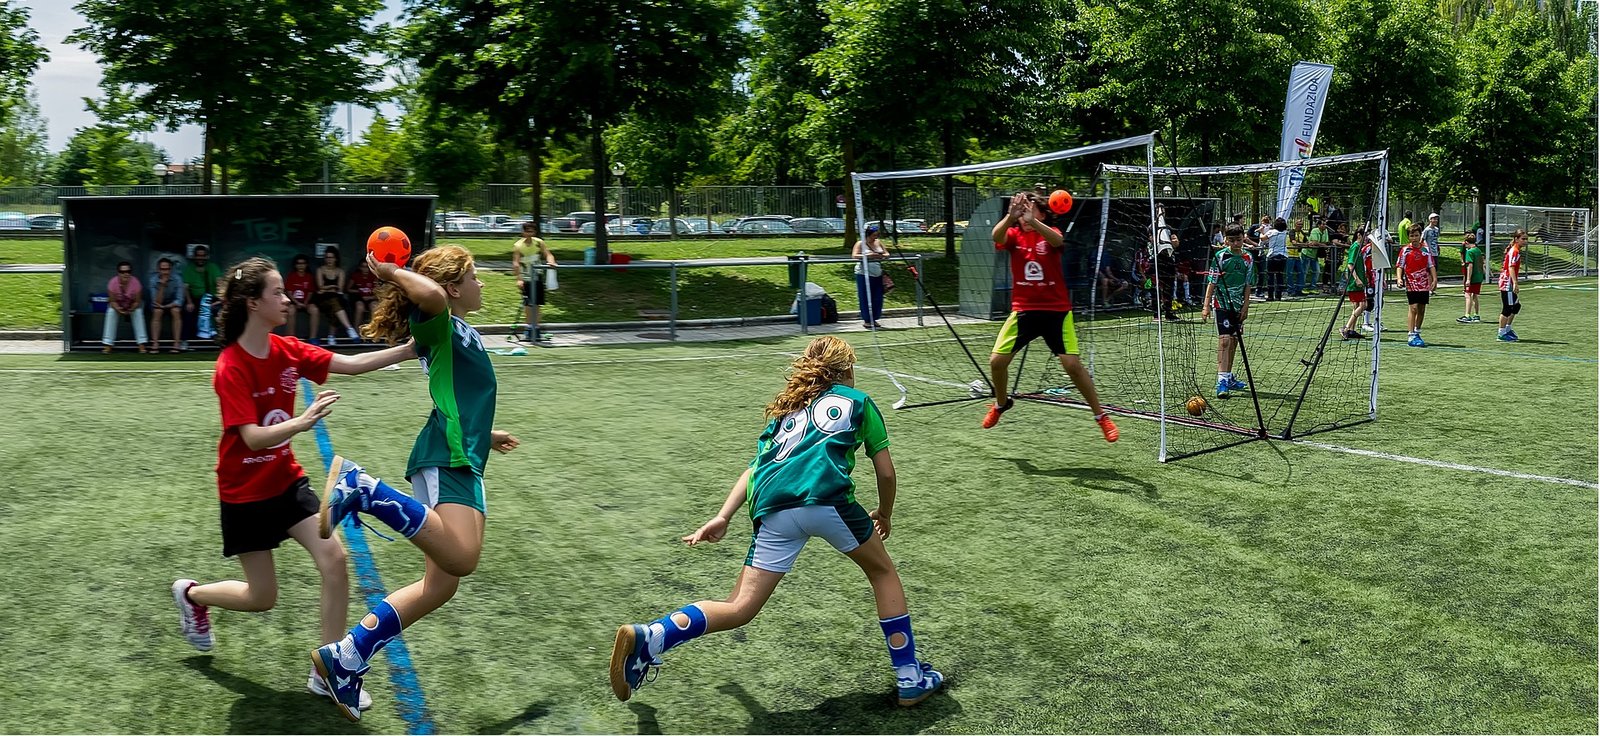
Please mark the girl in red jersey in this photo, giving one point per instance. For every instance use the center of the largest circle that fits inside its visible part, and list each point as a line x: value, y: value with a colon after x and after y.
x: 299, y: 285
x: 264, y: 492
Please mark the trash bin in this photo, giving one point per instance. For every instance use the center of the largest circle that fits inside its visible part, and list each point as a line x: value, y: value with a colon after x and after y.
x: 812, y: 313
x: 794, y: 270
x: 588, y: 256
x: 621, y: 259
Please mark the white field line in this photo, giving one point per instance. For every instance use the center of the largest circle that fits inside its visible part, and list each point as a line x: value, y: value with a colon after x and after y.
x: 1449, y: 466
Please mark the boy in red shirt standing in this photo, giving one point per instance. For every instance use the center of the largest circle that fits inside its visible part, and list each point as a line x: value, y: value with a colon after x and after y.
x: 265, y: 495
x: 1041, y: 307
x: 1416, y: 274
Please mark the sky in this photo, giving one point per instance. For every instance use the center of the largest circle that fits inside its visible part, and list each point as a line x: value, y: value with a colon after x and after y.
x: 72, y: 74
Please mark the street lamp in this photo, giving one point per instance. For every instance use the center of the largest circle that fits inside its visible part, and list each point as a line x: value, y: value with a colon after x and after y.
x: 1166, y: 190
x: 617, y: 170
x: 161, y: 171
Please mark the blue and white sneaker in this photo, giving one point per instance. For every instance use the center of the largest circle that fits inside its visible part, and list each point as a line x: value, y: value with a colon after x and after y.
x: 348, y: 490
x: 1513, y: 334
x: 340, y: 673
x: 913, y: 692
x: 631, y: 661
x: 315, y: 686
x: 1234, y: 384
x: 1416, y: 342
x: 1222, y: 389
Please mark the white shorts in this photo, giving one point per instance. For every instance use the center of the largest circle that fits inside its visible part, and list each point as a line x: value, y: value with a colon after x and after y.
x: 780, y: 535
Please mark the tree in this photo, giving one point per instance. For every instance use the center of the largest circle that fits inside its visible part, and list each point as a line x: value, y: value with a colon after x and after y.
x: 244, y: 69
x: 24, y: 158
x: 380, y: 156
x: 20, y: 55
x: 1395, y: 74
x: 582, y: 66
x: 1514, y: 107
x: 762, y: 143
x: 1209, y: 73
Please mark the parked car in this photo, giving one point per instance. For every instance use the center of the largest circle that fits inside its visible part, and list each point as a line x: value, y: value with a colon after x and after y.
x: 762, y: 226
x: 728, y: 225
x: 495, y: 221
x: 465, y: 225
x: 457, y: 214
x: 15, y: 221
x: 686, y: 226
x: 896, y: 227
x: 739, y: 223
x: 47, y: 222
x: 825, y: 225
x: 938, y: 227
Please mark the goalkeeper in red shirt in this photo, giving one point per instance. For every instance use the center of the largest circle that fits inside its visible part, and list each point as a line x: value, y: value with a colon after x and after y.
x: 1040, y: 306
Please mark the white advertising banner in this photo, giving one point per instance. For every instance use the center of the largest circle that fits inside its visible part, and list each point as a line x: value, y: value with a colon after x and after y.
x: 1302, y: 115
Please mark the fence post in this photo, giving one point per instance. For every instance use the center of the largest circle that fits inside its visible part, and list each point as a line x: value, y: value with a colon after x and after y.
x: 918, y: 281
x: 672, y: 313
x: 800, y: 300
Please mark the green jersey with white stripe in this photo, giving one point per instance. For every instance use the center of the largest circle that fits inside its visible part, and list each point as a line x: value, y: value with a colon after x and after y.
x: 805, y: 457
x: 462, y: 384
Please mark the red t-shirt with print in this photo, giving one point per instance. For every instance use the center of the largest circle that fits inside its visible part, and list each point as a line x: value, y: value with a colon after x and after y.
x: 261, y: 391
x: 299, y: 286
x: 1038, y: 282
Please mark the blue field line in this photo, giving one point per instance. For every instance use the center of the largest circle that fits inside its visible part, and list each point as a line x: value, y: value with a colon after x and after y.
x: 410, y: 703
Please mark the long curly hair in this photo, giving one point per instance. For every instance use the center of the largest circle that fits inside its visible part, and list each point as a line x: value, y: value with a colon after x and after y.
x: 826, y: 361
x: 391, y: 315
x: 246, y: 280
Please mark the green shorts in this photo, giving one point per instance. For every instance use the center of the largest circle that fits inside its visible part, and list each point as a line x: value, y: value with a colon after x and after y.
x: 433, y: 486
x: 1021, y: 328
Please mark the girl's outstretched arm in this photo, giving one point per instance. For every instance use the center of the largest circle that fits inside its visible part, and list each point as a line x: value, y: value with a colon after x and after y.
x: 355, y: 365
x: 712, y: 531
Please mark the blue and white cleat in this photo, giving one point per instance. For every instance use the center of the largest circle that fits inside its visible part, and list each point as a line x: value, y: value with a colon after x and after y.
x: 1513, y: 335
x: 347, y: 491
x: 913, y: 692
x: 1416, y: 342
x: 1222, y: 389
x: 315, y: 686
x: 1235, y: 384
x: 341, y: 680
x: 631, y: 661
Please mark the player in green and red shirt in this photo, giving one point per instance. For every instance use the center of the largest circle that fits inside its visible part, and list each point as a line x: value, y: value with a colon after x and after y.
x: 1228, y: 293
x: 1472, y: 277
x: 1510, y: 294
x: 445, y: 518
x: 264, y: 493
x: 1360, y: 284
x: 799, y: 487
x: 1041, y: 306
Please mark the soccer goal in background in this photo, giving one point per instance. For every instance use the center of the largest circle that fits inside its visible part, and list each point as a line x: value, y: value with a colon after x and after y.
x: 1558, y: 239
x: 1304, y: 377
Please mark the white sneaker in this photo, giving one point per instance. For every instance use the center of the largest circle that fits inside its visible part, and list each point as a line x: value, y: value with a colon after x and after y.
x: 1366, y: 328
x: 314, y: 686
x: 193, y: 619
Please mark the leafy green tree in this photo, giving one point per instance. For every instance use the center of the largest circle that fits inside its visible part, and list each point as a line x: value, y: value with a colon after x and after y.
x: 1515, y: 107
x: 380, y: 155
x: 20, y: 54
x: 246, y: 70
x: 24, y: 158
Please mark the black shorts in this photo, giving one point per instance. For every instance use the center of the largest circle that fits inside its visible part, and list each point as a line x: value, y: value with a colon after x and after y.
x: 1417, y: 297
x: 538, y: 291
x: 1510, y: 303
x: 254, y: 526
x: 328, y: 301
x: 1229, y: 322
x: 1022, y: 328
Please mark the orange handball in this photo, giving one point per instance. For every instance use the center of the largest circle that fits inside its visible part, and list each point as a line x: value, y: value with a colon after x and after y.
x: 390, y: 245
x: 1061, y: 201
x: 1195, y: 405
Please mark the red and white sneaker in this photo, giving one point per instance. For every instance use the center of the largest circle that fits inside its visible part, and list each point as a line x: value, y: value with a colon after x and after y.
x: 1108, y: 427
x: 194, y: 618
x: 995, y: 410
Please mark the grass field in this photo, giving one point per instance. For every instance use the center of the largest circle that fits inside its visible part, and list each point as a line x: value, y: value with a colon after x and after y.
x: 1063, y: 584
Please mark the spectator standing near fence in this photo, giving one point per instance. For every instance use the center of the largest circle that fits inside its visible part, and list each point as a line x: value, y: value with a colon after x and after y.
x: 1317, y: 245
x: 166, y: 300
x: 200, y: 277
x: 124, y: 298
x: 525, y: 255
x: 1296, y: 264
x: 1402, y: 233
x: 1275, y: 242
x: 869, y: 276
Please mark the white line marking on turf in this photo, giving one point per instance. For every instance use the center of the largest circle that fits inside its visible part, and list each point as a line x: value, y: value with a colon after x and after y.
x: 1450, y: 466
